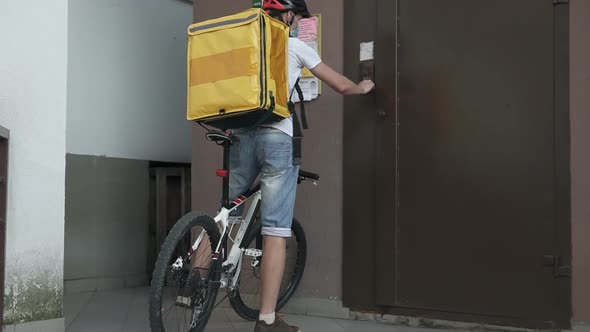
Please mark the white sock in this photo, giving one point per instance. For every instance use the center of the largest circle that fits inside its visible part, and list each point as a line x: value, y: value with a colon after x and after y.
x: 267, y: 318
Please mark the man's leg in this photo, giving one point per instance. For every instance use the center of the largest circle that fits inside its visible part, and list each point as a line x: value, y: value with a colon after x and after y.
x: 279, y: 184
x: 271, y: 272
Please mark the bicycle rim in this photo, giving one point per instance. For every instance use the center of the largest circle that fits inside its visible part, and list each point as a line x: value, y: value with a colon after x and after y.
x: 245, y: 299
x: 184, y: 286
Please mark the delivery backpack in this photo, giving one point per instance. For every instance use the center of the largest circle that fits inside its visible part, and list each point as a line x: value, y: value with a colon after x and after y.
x: 238, y: 73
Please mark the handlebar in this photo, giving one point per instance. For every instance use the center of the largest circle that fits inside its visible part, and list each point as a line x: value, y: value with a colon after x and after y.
x: 308, y: 175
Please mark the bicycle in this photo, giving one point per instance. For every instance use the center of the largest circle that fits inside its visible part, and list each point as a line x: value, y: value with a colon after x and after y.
x: 195, y: 260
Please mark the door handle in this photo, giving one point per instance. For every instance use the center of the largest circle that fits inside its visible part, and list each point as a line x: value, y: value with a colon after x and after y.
x: 367, y: 70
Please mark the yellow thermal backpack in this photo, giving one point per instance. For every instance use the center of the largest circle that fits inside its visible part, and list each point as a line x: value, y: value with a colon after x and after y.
x: 238, y: 70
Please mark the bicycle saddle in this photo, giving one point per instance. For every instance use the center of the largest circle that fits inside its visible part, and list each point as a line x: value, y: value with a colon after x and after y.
x: 219, y: 137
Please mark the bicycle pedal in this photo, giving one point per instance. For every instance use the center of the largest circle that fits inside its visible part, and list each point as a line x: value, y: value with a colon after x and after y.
x: 183, y: 301
x: 253, y: 252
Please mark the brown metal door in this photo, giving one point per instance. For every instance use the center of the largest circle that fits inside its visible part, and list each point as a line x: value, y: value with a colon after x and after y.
x: 3, y: 188
x: 477, y: 201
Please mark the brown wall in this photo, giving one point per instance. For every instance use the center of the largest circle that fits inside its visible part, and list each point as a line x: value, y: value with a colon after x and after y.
x: 580, y: 138
x: 318, y: 208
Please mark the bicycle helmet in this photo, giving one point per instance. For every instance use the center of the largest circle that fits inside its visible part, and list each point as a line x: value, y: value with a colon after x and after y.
x: 296, y: 6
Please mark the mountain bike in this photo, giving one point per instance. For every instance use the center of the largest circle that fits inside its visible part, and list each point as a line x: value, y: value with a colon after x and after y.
x: 202, y: 255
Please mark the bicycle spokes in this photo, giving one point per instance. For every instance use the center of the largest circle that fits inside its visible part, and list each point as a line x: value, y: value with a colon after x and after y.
x: 186, y: 293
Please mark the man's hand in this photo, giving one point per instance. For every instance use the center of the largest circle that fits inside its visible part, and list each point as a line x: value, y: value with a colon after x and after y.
x: 340, y: 83
x: 366, y: 86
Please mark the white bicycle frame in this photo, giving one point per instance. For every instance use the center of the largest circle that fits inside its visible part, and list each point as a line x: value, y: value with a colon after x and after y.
x: 233, y: 263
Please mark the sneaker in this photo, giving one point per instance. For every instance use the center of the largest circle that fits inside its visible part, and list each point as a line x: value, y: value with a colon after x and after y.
x: 278, y: 326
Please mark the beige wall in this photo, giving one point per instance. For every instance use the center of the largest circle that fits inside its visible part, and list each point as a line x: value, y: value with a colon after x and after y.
x: 318, y: 208
x: 580, y: 134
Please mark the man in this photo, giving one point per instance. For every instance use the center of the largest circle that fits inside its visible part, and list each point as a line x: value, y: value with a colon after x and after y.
x: 268, y: 151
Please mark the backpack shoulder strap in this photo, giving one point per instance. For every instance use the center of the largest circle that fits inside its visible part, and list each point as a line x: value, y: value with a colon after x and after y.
x: 294, y: 88
x: 297, y: 132
x: 297, y: 88
x: 303, y: 115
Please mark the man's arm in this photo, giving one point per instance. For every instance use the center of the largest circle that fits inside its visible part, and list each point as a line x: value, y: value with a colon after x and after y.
x: 340, y: 83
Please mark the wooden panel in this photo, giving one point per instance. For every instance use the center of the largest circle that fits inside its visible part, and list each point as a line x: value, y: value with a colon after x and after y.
x: 170, y: 199
x: 161, y: 215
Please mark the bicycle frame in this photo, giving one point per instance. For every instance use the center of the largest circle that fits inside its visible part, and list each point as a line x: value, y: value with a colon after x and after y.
x: 225, y: 267
x: 233, y: 261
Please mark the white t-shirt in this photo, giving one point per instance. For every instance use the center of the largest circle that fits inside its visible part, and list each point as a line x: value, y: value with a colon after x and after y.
x: 300, y: 56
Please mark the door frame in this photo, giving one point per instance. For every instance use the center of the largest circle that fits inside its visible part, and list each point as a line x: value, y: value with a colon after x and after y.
x: 563, y: 229
x: 363, y: 166
x: 4, y: 136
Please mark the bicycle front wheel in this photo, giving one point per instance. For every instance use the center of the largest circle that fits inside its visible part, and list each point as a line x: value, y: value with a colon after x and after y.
x: 185, y: 282
x: 245, y: 299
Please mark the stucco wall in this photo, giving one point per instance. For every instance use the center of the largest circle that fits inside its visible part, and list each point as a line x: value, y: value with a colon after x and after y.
x: 127, y: 79
x: 126, y: 106
x: 33, y: 72
x: 106, y: 223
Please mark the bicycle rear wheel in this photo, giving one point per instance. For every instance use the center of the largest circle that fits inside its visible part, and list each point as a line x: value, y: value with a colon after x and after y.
x: 245, y: 299
x: 184, y: 286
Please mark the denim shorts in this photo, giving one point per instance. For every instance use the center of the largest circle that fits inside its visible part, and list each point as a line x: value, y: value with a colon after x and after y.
x: 267, y: 152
